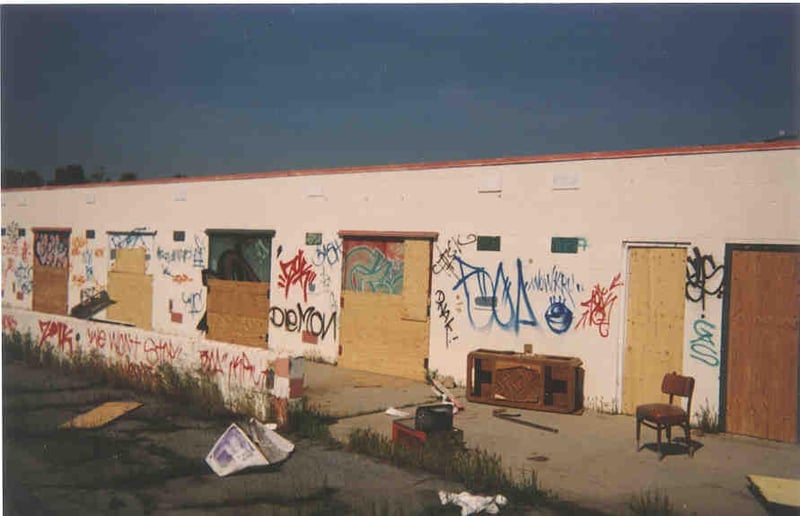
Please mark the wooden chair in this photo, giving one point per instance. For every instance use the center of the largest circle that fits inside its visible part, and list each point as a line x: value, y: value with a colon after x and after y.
x: 666, y: 415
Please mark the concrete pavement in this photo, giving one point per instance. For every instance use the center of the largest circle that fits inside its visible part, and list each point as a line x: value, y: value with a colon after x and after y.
x: 592, y: 459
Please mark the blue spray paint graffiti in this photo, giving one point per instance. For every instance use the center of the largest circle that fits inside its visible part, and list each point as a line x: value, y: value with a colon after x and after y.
x: 702, y: 346
x: 558, y: 315
x: 510, y: 308
x: 556, y: 282
x: 193, y: 302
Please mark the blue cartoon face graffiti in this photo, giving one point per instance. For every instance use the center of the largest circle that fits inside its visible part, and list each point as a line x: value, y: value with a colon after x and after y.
x: 558, y: 315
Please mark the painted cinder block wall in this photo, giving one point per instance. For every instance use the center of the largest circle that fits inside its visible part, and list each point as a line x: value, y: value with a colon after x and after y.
x: 698, y: 197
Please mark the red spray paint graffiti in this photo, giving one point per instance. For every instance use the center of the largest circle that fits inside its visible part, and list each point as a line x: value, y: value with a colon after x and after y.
x: 60, y: 331
x: 9, y: 324
x: 211, y: 362
x: 598, y: 307
x: 297, y: 271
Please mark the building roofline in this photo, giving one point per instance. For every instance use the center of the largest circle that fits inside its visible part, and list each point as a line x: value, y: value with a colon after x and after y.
x: 521, y: 160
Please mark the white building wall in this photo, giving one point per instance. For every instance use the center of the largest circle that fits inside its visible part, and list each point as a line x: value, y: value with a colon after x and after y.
x: 693, y: 200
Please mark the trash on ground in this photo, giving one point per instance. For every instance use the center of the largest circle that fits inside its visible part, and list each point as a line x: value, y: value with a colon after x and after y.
x: 446, y: 394
x: 781, y: 491
x: 472, y: 504
x: 434, y: 418
x: 391, y: 411
x: 503, y: 414
x: 235, y: 450
x: 101, y: 414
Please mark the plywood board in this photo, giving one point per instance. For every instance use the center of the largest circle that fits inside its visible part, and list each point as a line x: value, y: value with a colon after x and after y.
x: 133, y: 294
x: 416, y: 280
x: 133, y: 260
x: 248, y: 299
x: 781, y: 491
x: 247, y: 331
x: 654, y: 326
x: 762, y: 344
x: 102, y: 414
x: 238, y: 312
x: 389, y: 334
x: 50, y: 286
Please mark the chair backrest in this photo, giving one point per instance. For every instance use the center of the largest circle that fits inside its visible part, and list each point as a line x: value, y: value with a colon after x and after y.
x: 677, y: 385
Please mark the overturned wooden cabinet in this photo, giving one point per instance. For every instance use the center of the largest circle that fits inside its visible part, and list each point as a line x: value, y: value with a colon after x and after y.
x: 534, y: 382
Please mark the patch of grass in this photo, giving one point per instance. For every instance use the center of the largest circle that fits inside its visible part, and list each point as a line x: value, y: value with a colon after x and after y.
x: 478, y: 470
x: 650, y: 503
x: 308, y: 422
x: 198, y: 394
x: 707, y: 420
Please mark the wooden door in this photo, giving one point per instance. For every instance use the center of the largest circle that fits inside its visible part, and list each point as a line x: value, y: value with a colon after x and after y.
x: 51, y: 271
x: 654, y: 326
x: 763, y: 331
x: 385, y: 321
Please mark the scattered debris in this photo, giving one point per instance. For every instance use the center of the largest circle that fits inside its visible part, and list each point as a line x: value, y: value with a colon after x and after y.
x: 391, y: 411
x: 472, y: 504
x: 235, y: 450
x: 502, y: 414
x: 434, y: 418
x: 775, y: 490
x: 101, y: 414
x: 447, y: 396
x: 92, y: 305
x: 449, y: 382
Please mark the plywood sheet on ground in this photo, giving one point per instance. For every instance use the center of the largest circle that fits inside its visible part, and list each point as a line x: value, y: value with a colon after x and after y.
x: 102, y: 414
x: 782, y: 491
x: 133, y: 294
x: 50, y: 289
x: 654, y: 331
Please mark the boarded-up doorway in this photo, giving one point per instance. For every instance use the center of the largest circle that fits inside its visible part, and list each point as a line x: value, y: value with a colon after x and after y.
x: 385, y: 324
x: 654, y: 327
x: 237, y: 309
x: 51, y: 270
x: 761, y: 341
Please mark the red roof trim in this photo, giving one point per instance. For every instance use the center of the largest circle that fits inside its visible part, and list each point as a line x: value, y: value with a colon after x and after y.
x: 545, y: 158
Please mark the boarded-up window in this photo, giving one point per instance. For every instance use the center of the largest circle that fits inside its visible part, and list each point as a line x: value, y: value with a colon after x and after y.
x: 373, y: 265
x: 130, y: 288
x: 50, y: 271
x: 238, y: 286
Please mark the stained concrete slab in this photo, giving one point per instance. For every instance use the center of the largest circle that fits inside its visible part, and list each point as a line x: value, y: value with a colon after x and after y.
x: 592, y: 460
x: 346, y: 393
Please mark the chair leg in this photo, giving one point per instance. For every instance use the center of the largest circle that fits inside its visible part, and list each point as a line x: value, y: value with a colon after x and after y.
x: 688, y: 439
x: 669, y: 433
x: 638, y: 433
x: 660, y: 455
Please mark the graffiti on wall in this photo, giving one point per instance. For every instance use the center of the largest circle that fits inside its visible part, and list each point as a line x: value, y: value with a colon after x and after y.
x: 308, y: 320
x: 9, y: 324
x: 60, y: 332
x: 192, y: 255
x: 703, y: 347
x: 446, y: 255
x: 23, y: 280
x: 373, y: 266
x: 558, y: 315
x: 599, y: 305
x: 556, y: 282
x: 297, y: 271
x: 703, y: 278
x: 137, y: 237
x: 193, y: 302
x: 446, y: 317
x: 498, y: 299
x: 328, y: 253
x: 238, y: 370
x: 51, y: 249
x: 129, y: 346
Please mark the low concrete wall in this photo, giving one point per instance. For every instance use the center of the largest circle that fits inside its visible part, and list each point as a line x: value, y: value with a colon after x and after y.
x: 246, y: 376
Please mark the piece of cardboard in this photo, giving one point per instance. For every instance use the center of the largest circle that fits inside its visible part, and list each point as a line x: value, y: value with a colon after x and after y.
x: 101, y: 415
x: 235, y: 450
x: 782, y: 491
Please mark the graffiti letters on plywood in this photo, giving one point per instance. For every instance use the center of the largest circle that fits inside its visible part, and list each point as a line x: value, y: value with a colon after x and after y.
x: 51, y: 249
x: 373, y: 266
x: 597, y: 309
x: 703, y: 278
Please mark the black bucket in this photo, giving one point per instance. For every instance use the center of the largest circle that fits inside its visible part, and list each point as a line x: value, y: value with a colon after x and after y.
x: 434, y: 418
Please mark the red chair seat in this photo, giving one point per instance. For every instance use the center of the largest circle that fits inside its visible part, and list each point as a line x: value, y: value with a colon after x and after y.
x: 661, y: 413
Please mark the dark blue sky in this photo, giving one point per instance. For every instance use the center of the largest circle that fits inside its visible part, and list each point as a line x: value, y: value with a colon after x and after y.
x: 225, y: 89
